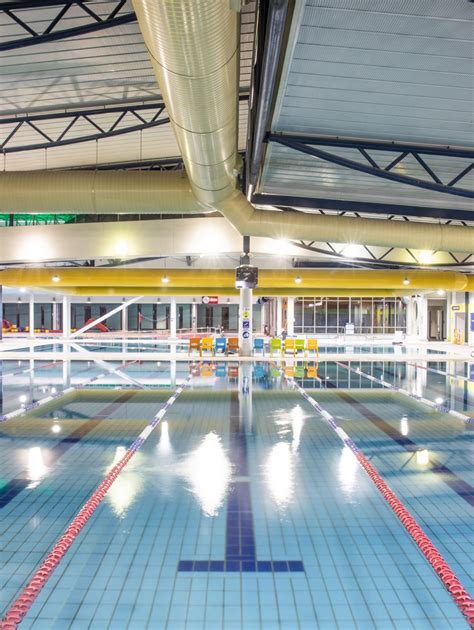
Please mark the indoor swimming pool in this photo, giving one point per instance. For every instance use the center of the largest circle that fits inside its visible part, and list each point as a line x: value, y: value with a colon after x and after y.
x: 242, y: 506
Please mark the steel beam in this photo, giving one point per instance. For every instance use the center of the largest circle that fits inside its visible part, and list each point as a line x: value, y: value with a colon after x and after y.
x: 96, y: 23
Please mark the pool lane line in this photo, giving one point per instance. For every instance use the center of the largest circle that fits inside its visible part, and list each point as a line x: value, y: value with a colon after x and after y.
x: 13, y: 488
x: 18, y: 372
x: 63, y: 392
x: 450, y: 581
x: 405, y: 392
x: 28, y: 595
x: 428, y: 369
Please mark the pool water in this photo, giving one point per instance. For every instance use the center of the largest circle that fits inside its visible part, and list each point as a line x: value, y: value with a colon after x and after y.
x: 243, y: 509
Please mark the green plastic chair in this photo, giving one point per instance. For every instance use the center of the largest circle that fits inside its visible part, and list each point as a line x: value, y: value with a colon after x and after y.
x: 299, y: 371
x: 275, y: 345
x: 300, y: 345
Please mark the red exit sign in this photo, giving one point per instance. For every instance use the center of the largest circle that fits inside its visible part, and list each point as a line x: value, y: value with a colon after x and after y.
x: 210, y: 299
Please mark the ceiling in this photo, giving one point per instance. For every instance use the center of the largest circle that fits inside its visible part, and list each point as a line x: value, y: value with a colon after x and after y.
x: 393, y: 73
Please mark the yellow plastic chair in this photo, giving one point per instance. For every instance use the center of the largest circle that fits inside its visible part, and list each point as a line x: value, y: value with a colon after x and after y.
x: 207, y: 371
x: 207, y: 343
x: 290, y: 371
x: 289, y: 346
x: 312, y: 346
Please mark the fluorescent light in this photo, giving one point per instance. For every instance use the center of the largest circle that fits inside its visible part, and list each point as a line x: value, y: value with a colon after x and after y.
x: 121, y: 248
x: 351, y: 250
x: 425, y: 257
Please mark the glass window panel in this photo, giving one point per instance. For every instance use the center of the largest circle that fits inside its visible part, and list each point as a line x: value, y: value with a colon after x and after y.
x: 344, y: 317
x: 332, y: 322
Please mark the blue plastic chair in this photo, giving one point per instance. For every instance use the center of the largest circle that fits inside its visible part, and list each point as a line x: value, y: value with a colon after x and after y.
x: 220, y: 345
x: 258, y: 344
x: 221, y: 370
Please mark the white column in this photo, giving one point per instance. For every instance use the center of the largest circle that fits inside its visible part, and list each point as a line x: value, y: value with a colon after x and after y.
x: 194, y: 316
x: 55, y: 316
x: 173, y: 374
x: 31, y: 315
x: 125, y: 320
x: 66, y: 316
x: 263, y: 317
x: 173, y: 318
x: 290, y: 316
x: 279, y: 316
x: 245, y: 322
x: 66, y: 374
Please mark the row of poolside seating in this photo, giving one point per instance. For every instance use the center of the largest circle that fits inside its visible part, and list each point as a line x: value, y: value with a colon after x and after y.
x: 226, y: 346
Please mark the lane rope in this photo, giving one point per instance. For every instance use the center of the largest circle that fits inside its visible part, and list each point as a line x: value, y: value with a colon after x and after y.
x: 450, y: 581
x: 405, y: 392
x: 28, y: 595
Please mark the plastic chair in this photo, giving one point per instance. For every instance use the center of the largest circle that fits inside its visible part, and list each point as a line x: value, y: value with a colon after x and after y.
x: 299, y: 371
x: 194, y: 344
x: 207, y: 343
x: 274, y: 372
x: 258, y: 344
x: 289, y: 346
x: 232, y: 345
x: 299, y: 346
x: 207, y: 371
x: 221, y: 370
x: 275, y: 345
x: 290, y: 371
x: 312, y: 346
x: 312, y: 371
x: 220, y: 345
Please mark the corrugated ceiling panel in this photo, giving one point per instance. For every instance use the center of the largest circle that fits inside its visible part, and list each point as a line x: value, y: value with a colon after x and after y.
x: 394, y: 70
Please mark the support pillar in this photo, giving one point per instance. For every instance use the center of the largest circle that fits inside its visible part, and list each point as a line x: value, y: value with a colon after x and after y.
x: 66, y: 316
x: 173, y: 318
x: 263, y: 317
x: 279, y: 316
x: 245, y: 322
x: 55, y: 321
x: 125, y: 320
x: 31, y: 315
x: 290, y: 316
x: 194, y: 317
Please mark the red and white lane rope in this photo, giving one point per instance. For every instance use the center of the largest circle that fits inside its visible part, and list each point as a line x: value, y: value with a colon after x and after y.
x: 25, y: 600
x: 405, y: 392
x: 429, y: 369
x: 461, y: 597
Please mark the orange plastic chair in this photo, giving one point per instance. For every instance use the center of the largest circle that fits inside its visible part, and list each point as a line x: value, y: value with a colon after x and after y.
x: 232, y: 345
x: 290, y: 371
x: 194, y: 344
x: 289, y: 346
x: 207, y: 344
x: 312, y: 346
x: 312, y: 371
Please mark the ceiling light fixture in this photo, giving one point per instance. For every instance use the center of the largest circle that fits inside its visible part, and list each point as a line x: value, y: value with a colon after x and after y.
x: 55, y: 278
x: 165, y: 279
x: 440, y: 292
x: 406, y: 280
x: 298, y: 280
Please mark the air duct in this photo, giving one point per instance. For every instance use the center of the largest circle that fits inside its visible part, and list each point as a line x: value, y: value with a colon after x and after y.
x: 97, y: 192
x: 194, y: 46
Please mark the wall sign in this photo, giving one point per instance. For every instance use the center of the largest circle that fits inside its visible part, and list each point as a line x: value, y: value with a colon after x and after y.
x: 210, y: 299
x: 456, y: 307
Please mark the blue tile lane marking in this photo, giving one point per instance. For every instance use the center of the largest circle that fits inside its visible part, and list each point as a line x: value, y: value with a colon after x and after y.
x: 240, y: 552
x: 462, y: 488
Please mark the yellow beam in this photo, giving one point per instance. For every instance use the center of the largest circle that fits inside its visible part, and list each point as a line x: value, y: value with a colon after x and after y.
x: 121, y: 279
x: 227, y: 292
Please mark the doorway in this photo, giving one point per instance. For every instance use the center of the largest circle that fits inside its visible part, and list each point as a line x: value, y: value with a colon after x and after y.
x: 436, y: 320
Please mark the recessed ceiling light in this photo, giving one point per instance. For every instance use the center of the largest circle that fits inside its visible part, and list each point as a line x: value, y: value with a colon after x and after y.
x: 55, y: 278
x: 440, y: 292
